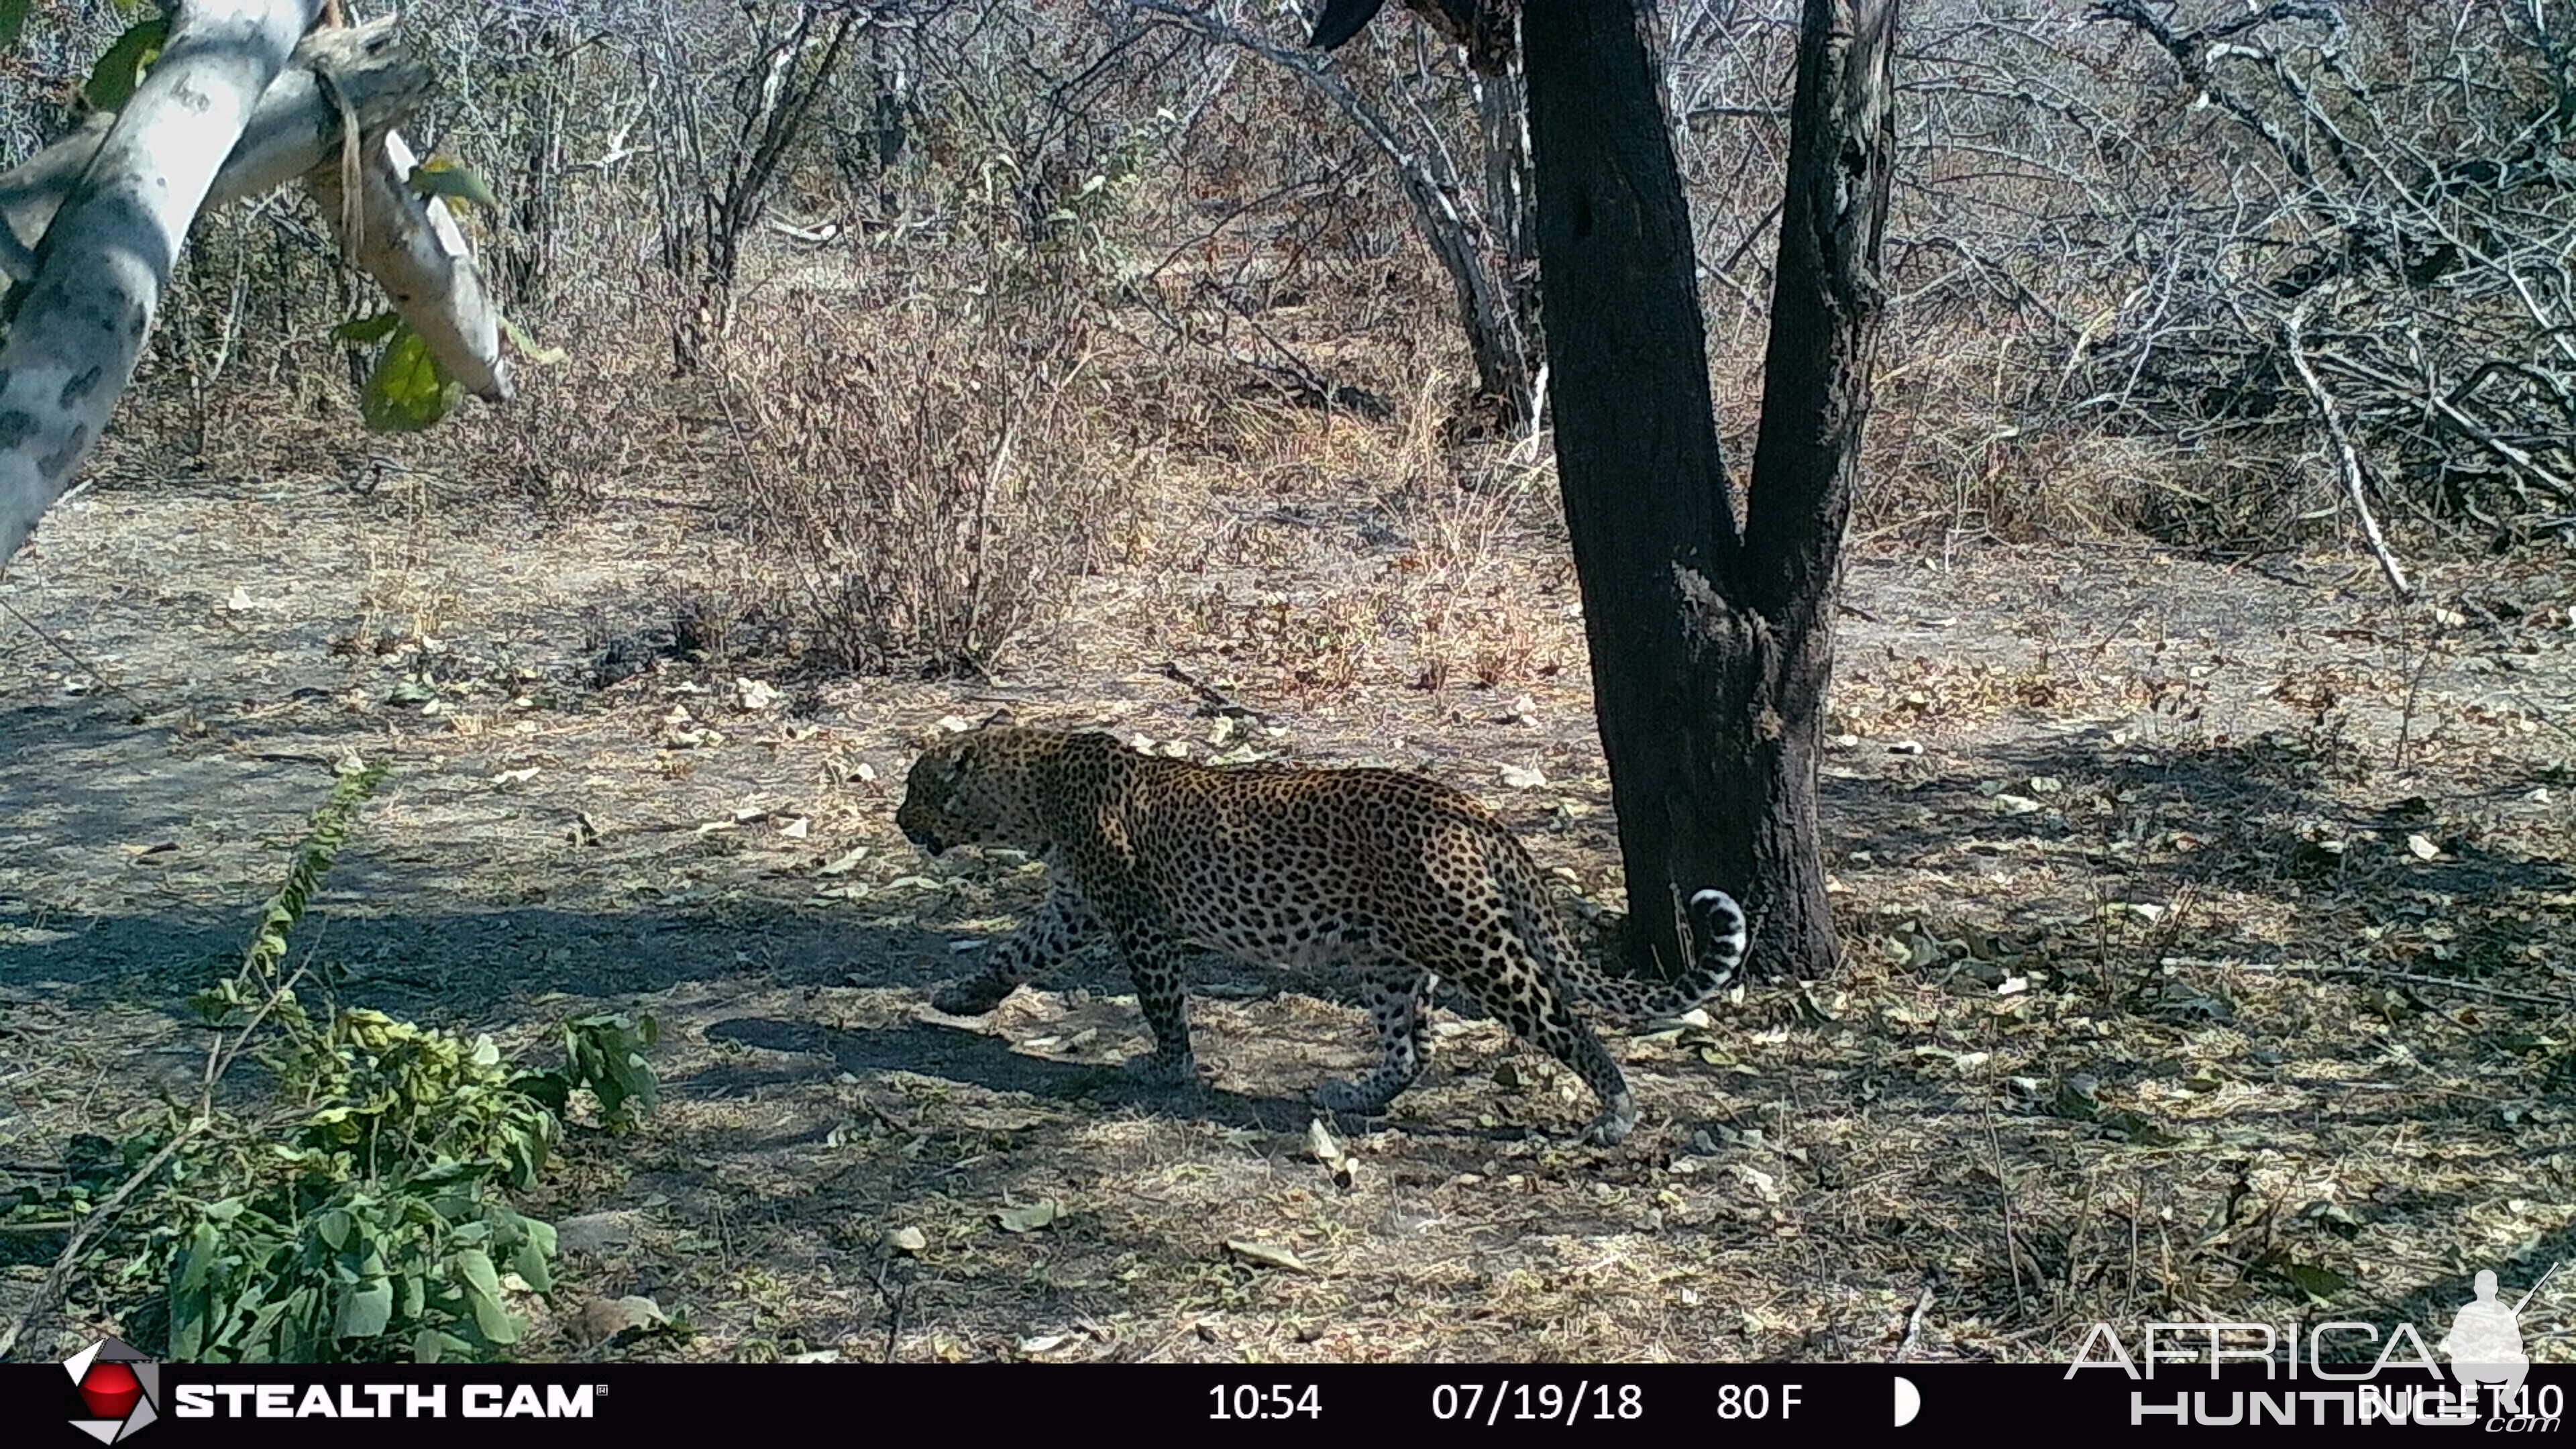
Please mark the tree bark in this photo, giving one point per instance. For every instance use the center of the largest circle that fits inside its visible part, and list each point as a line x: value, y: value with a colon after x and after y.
x: 1511, y: 215
x: 1711, y: 645
x: 107, y: 256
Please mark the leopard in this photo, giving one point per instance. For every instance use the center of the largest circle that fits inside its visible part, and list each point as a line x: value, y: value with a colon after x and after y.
x: 1393, y: 876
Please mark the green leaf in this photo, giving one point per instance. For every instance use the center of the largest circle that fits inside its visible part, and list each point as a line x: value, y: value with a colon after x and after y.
x: 13, y: 19
x: 408, y: 391
x: 426, y: 1345
x: 2315, y: 1280
x: 365, y: 1310
x: 493, y: 1320
x: 198, y: 1260
x: 530, y: 1264
x: 449, y: 177
x: 111, y: 83
x: 187, y: 1325
x: 548, y: 1089
x: 476, y: 1266
x: 527, y: 345
x: 368, y: 329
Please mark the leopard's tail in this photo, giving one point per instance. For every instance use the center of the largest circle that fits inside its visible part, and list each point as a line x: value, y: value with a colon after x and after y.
x: 1717, y: 939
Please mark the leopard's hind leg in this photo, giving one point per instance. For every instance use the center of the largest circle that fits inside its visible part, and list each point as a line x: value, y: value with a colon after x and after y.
x: 1490, y: 961
x: 1398, y: 997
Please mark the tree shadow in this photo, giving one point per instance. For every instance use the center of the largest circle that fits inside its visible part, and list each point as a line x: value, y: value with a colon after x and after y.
x: 2262, y: 816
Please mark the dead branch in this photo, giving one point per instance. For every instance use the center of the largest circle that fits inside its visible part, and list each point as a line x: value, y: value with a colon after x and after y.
x: 2348, y: 462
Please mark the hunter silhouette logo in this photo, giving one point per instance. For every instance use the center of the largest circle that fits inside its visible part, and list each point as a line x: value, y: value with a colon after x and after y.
x: 120, y: 1386
x: 2485, y: 1341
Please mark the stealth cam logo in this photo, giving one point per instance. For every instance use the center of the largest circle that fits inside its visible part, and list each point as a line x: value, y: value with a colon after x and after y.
x: 120, y: 1386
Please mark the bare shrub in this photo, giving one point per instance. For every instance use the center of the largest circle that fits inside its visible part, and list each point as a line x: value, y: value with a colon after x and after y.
x: 924, y: 484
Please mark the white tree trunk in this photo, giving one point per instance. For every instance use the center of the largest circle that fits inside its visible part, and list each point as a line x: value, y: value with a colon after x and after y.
x: 295, y: 128
x: 107, y: 257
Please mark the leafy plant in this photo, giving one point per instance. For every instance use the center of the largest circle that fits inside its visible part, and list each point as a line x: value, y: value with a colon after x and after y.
x: 366, y: 1216
x: 379, y: 1227
x: 448, y: 177
x: 410, y: 389
x: 605, y: 1052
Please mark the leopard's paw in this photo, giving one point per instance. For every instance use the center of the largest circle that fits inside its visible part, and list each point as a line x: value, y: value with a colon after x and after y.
x: 1353, y: 1097
x: 1154, y: 1069
x: 1616, y: 1121
x: 972, y: 997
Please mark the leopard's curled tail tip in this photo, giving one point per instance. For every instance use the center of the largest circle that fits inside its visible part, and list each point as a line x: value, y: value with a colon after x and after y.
x: 1721, y: 922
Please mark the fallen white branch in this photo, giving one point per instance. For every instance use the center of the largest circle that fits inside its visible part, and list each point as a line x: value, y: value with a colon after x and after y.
x: 107, y: 257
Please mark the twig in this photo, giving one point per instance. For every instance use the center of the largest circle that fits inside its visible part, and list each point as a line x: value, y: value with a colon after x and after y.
x: 1914, y: 1323
x: 1217, y: 699
x: 141, y: 710
x: 2543, y: 715
x: 2334, y: 968
x: 2003, y: 1180
x: 894, y: 1300
x: 89, y: 1229
x: 2348, y: 461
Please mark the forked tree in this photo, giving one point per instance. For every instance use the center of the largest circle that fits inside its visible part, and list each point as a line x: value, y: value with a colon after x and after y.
x: 1711, y: 637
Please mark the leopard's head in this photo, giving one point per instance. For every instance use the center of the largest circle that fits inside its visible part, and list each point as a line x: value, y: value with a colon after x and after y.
x: 978, y: 788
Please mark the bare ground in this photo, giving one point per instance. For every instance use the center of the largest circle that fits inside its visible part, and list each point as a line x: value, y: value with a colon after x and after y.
x: 2211, y: 937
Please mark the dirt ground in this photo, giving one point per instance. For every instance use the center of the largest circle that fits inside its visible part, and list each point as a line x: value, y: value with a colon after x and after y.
x: 2211, y: 939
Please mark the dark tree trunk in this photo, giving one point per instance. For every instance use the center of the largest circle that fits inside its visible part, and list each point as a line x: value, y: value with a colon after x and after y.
x: 1711, y: 644
x: 1506, y: 365
x: 891, y: 74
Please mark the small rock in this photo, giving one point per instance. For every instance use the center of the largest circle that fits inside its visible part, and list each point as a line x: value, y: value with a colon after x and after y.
x: 599, y: 1234
x: 605, y: 1318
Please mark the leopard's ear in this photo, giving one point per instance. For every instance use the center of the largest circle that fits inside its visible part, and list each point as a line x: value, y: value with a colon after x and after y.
x: 940, y: 746
x: 1000, y: 716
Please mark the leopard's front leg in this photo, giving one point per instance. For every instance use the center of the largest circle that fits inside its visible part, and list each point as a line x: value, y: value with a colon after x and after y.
x: 1044, y: 942
x: 1154, y: 963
